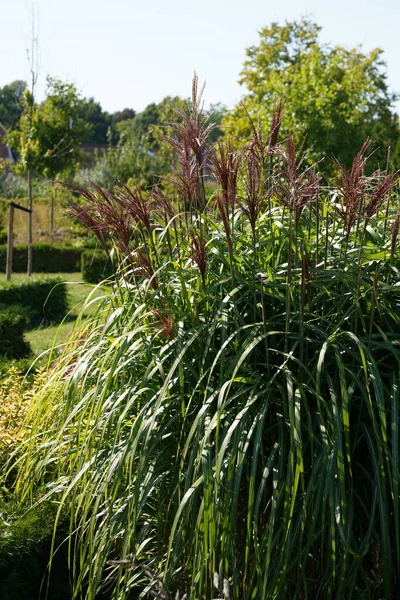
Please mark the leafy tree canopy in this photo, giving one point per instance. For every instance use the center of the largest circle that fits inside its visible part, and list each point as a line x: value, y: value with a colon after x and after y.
x: 139, y: 127
x: 123, y: 115
x: 48, y: 135
x: 98, y: 121
x: 141, y: 153
x: 11, y: 103
x: 217, y: 113
x: 334, y: 98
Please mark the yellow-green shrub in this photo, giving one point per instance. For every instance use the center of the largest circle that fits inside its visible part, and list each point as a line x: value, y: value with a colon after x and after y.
x: 16, y: 393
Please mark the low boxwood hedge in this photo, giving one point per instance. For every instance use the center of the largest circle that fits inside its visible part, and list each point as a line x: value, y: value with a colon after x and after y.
x: 95, y: 266
x: 46, y: 258
x: 12, y: 328
x: 25, y: 548
x: 40, y: 298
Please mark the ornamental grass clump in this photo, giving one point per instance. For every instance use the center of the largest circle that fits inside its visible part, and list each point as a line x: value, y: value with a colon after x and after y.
x: 231, y: 413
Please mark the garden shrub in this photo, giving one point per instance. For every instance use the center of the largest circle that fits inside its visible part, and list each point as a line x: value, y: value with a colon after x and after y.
x: 40, y: 298
x: 16, y: 393
x: 47, y: 258
x: 95, y: 266
x: 19, y: 309
x: 25, y: 546
x: 12, y: 328
x: 3, y: 237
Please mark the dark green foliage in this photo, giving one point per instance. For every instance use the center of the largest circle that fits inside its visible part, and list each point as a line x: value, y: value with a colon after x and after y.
x: 95, y: 266
x: 11, y: 103
x: 41, y: 298
x: 24, y: 555
x: 3, y: 237
x: 12, y: 327
x: 96, y: 119
x: 123, y: 115
x: 47, y: 258
x: 141, y: 125
x: 27, y: 312
x: 217, y: 112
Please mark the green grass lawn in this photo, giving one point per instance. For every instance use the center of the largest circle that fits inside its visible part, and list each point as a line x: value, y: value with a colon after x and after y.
x: 44, y: 337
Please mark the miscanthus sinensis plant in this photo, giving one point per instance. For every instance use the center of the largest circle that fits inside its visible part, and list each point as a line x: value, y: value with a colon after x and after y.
x: 229, y: 417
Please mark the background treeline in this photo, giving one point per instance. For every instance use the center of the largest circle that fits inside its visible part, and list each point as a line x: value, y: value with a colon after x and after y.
x: 334, y: 98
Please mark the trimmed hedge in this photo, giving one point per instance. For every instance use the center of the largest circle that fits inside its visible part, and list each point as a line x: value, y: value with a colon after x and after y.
x: 25, y: 547
x: 12, y: 328
x: 95, y: 266
x: 39, y: 297
x: 47, y: 258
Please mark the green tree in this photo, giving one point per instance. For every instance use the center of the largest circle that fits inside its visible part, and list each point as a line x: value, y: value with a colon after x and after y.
x: 123, y: 115
x: 217, y: 113
x: 98, y: 121
x: 334, y: 98
x: 141, y: 153
x: 11, y: 96
x: 140, y: 126
x: 48, y: 135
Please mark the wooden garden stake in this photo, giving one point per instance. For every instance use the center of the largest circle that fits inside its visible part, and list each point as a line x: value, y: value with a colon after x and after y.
x: 10, y: 242
x: 10, y: 237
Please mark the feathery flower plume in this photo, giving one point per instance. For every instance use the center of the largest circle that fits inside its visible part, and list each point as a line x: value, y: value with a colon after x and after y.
x: 143, y: 267
x: 295, y: 187
x: 378, y: 186
x: 164, y: 324
x: 189, y: 142
x: 199, y: 254
x: 275, y: 125
x: 134, y: 204
x: 395, y: 232
x: 351, y: 185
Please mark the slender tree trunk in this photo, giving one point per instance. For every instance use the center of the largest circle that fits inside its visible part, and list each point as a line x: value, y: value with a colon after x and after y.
x: 30, y: 206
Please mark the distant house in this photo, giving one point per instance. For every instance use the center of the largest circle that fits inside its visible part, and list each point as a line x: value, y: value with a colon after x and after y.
x: 5, y: 151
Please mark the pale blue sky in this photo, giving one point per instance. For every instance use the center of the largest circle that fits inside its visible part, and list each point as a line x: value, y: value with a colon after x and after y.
x: 128, y: 53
